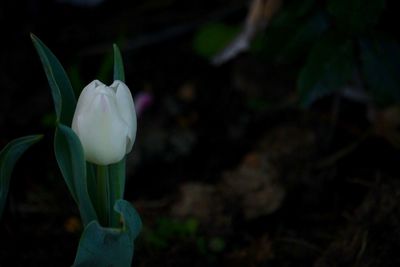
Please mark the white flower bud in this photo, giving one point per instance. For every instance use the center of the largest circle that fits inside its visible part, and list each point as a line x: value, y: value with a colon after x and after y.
x: 105, y: 122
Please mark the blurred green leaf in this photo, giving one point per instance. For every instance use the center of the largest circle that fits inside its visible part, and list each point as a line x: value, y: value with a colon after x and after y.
x: 213, y: 38
x: 168, y: 230
x: 381, y: 70
x: 109, y: 247
x: 356, y: 16
x: 303, y: 37
x: 61, y: 89
x: 9, y: 156
x: 71, y: 161
x: 217, y: 244
x: 292, y: 31
x: 119, y: 73
x: 329, y: 66
x: 49, y: 120
x: 192, y: 226
x: 117, y: 170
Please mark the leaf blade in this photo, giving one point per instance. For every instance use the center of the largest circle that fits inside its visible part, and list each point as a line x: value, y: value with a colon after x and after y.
x: 71, y: 161
x: 119, y: 72
x: 101, y: 246
x: 9, y: 156
x: 61, y: 88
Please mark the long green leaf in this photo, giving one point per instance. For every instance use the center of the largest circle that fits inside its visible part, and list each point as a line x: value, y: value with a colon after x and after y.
x: 71, y: 160
x: 119, y: 73
x: 8, y: 158
x: 61, y: 89
x: 117, y: 171
x: 101, y: 246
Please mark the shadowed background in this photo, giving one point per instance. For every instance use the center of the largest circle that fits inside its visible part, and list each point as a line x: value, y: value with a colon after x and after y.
x: 267, y: 130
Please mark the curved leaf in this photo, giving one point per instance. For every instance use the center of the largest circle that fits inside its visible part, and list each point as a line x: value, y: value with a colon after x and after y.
x: 8, y: 158
x: 71, y: 161
x: 131, y: 220
x: 61, y: 88
x: 101, y: 246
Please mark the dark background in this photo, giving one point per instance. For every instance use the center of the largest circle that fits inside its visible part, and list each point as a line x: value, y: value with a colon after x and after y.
x: 265, y: 160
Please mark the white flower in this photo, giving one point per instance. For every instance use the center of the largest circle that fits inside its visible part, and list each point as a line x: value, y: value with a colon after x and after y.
x: 105, y: 122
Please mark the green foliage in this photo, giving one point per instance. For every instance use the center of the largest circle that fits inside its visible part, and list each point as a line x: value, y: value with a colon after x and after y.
x: 99, y: 246
x: 381, y: 70
x: 214, y: 37
x: 291, y: 33
x: 119, y: 72
x: 167, y: 229
x: 217, y: 244
x: 303, y: 37
x: 108, y: 247
x: 329, y: 66
x: 9, y: 156
x: 61, y: 89
x: 356, y: 16
x: 71, y: 160
x: 167, y: 232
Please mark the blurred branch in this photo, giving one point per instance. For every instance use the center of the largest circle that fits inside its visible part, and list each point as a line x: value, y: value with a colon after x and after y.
x: 260, y: 13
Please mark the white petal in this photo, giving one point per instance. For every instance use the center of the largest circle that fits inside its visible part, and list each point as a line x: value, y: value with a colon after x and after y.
x: 84, y: 100
x: 87, y: 95
x: 102, y: 130
x: 126, y: 108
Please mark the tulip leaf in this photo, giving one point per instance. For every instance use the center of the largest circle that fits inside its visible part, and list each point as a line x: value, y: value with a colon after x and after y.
x: 8, y: 158
x: 117, y: 170
x: 71, y: 161
x: 119, y: 73
x: 61, y: 88
x: 101, y: 246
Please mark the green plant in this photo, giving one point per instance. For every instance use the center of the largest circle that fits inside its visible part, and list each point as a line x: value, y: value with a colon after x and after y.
x: 91, y: 158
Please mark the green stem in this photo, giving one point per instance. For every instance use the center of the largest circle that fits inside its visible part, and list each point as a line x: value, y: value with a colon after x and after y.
x: 117, y: 184
x: 91, y: 181
x: 103, y: 195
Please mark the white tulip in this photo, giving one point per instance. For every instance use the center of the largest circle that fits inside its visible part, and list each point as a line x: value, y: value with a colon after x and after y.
x: 105, y: 122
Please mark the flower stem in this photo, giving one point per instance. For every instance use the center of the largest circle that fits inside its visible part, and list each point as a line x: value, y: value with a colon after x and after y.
x: 117, y: 185
x: 103, y: 195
